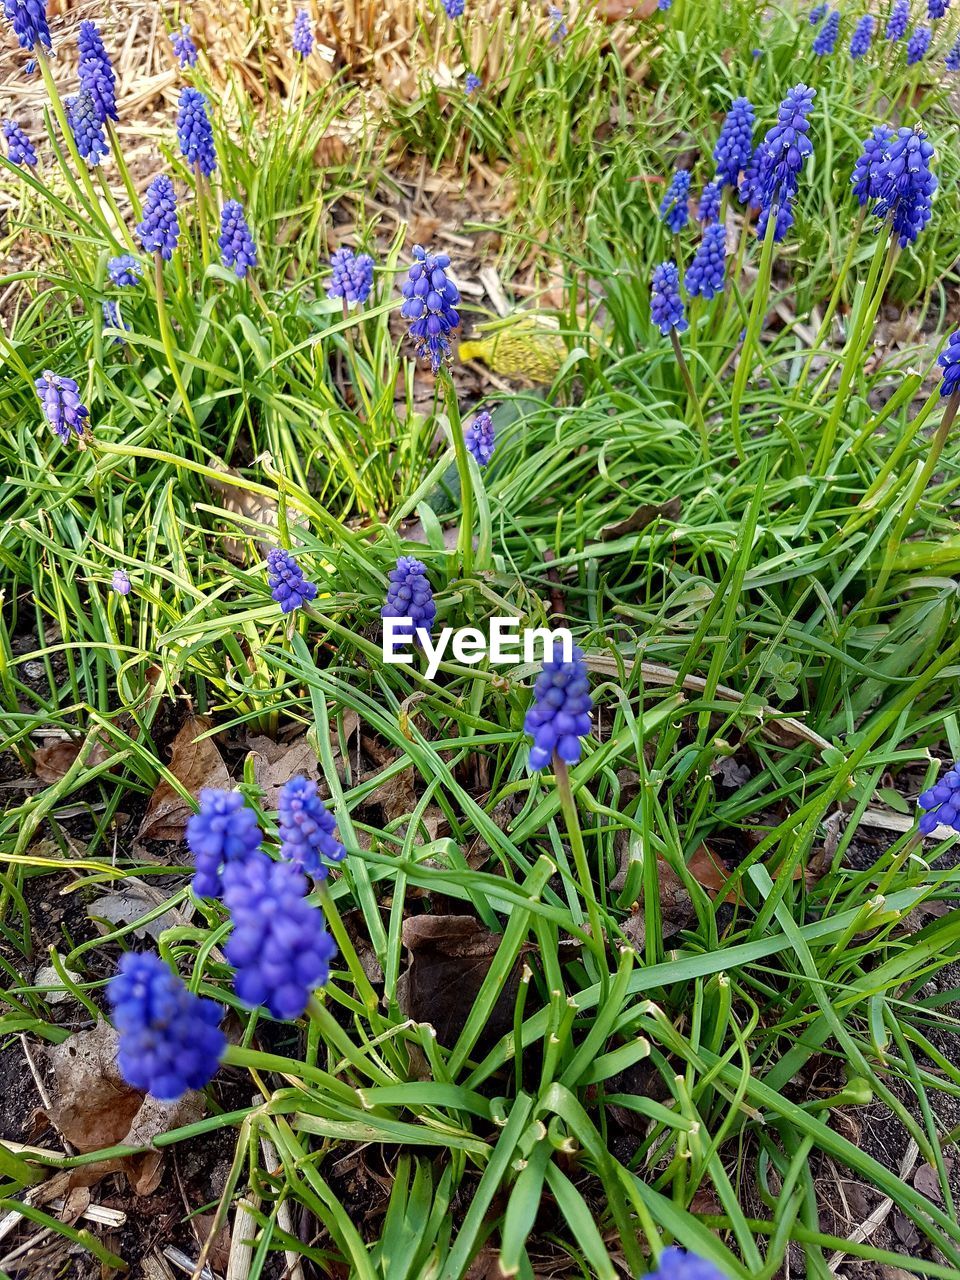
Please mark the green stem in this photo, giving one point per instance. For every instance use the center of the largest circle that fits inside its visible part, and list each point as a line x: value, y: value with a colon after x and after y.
x: 340, y: 1042
x: 365, y: 991
x: 108, y: 196
x: 201, y: 195
x: 572, y: 819
x: 465, y: 541
x: 166, y: 336
x: 692, y: 394
x: 834, y: 300
x: 124, y: 171
x: 754, y: 325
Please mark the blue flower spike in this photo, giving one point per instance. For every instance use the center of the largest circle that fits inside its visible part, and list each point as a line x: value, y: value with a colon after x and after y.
x: 862, y: 36
x: 87, y: 127
x: 160, y: 229
x: 826, y: 40
x: 705, y: 276
x: 19, y: 147
x: 307, y: 829
x: 125, y: 270
x: 941, y: 803
x: 918, y: 44
x: 678, y: 1264
x: 302, y: 38
x: 898, y: 21
x: 410, y: 599
x: 479, y: 437
x: 195, y: 133
x: 352, y: 278
x: 287, y: 584
x: 184, y: 49
x: 559, y: 715
x: 62, y: 406
x: 430, y: 302
x: 29, y: 21
x: 96, y: 72
x: 734, y: 147
x: 949, y: 362
x: 666, y: 304
x: 237, y: 249
x: 674, y: 205
x: 224, y: 830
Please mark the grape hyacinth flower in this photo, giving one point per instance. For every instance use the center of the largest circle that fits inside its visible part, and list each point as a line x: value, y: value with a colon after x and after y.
x: 941, y: 803
x: 237, y: 249
x: 709, y: 208
x: 223, y: 831
x: 124, y: 270
x: 862, y: 36
x: 184, y: 49
x: 279, y: 946
x: 113, y: 320
x: 735, y: 143
x: 559, y: 715
x: 817, y: 14
x: 677, y: 1264
x: 19, y: 147
x: 664, y: 5
x: 170, y: 1039
x: 121, y: 582
x: 160, y: 229
x: 673, y: 206
x: 30, y: 67
x: 194, y: 131
x: 410, y: 599
x: 96, y: 72
x: 952, y: 60
x: 302, y: 37
x: 949, y: 362
x: 899, y: 20
x: 62, y: 405
x: 666, y: 304
x: 826, y: 40
x: 29, y: 21
x: 559, y: 31
x: 306, y: 829
x: 472, y: 83
x: 937, y: 8
x: 453, y: 8
x: 705, y: 275
x: 352, y: 276
x: 782, y: 156
x: 479, y: 437
x: 287, y: 584
x: 430, y: 300
x: 87, y: 127
x: 918, y: 44
x: 905, y: 185
x: 868, y: 169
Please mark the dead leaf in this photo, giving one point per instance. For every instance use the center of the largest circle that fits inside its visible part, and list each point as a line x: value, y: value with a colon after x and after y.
x: 275, y: 763
x: 196, y: 762
x: 93, y: 1107
x: 449, y: 959
x: 644, y: 515
x: 53, y: 760
x: 676, y: 905
x: 927, y: 1181
x: 134, y: 899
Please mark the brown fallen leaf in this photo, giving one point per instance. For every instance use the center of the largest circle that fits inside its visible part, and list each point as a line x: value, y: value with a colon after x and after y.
x: 53, y: 760
x: 927, y: 1181
x: 93, y: 1107
x: 676, y: 905
x: 196, y: 762
x: 449, y: 959
x: 275, y: 763
x: 639, y: 519
x: 133, y: 900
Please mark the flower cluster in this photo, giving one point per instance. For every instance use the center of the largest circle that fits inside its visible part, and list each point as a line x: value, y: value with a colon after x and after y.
x: 453, y: 8
x: 279, y: 945
x: 113, y: 320
x: 952, y: 60
x: 949, y: 362
x: 410, y: 598
x: 666, y: 304
x: 124, y: 270
x: 677, y: 1264
x: 160, y: 229
x: 237, y: 249
x: 709, y: 208
x: 559, y: 30
x: 918, y: 44
x: 560, y: 713
x: 937, y: 8
x: 185, y: 51
x: 706, y: 272
x: 96, y: 72
x: 29, y: 21
x: 302, y: 38
x: 904, y: 184
x: 87, y: 127
x: 899, y: 20
x: 170, y: 1039
x: 430, y: 301
x: 479, y: 437
x: 224, y: 830
x: 352, y: 276
x: 862, y: 35
x: 287, y: 584
x: 817, y: 14
x: 941, y: 803
x: 19, y: 147
x: 826, y: 39
x: 62, y: 405
x: 194, y: 132
x: 121, y: 582
x: 869, y: 168
x: 735, y: 143
x: 472, y: 83
x: 673, y: 206
x: 307, y: 829
x: 780, y: 159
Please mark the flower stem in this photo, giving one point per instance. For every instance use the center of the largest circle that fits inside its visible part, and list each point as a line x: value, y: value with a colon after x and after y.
x: 346, y: 948
x: 834, y: 299
x: 694, y: 399
x: 465, y: 542
x: 754, y: 325
x: 201, y: 195
x: 166, y: 336
x: 572, y: 819
x: 124, y: 171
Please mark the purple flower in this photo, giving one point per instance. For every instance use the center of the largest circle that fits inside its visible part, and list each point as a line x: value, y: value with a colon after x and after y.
x: 869, y: 165
x: 160, y: 229
x: 862, y: 36
x: 559, y: 31
x: 430, y: 300
x: 918, y: 44
x: 279, y: 945
x: 952, y: 60
x: 942, y: 802
x: 666, y: 304
x: 780, y: 159
x: 453, y: 8
x: 410, y: 598
x: 664, y: 5
x: 19, y: 147
x: 559, y: 715
x: 826, y: 40
x: 96, y: 72
x: 113, y: 320
x: 472, y: 83
x: 307, y: 829
x: 705, y: 275
x: 899, y: 20
x: 302, y: 38
x: 673, y: 206
x: 479, y: 437
x: 87, y: 127
x: 352, y: 277
x: 194, y: 131
x: 29, y: 21
x: 905, y: 185
x: 816, y: 14
x: 121, y: 582
x: 183, y: 47
x: 709, y: 208
x: 237, y: 249
x: 677, y: 1264
x: 937, y: 8
x: 287, y: 584
x: 170, y: 1039
x: 949, y: 361
x: 125, y: 270
x: 62, y: 406
x: 735, y: 143
x: 224, y: 830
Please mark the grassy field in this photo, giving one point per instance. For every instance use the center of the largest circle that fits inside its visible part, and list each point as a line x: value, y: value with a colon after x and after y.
x: 695, y: 989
